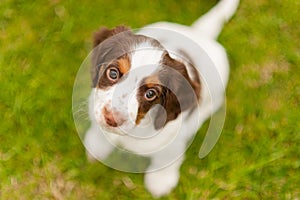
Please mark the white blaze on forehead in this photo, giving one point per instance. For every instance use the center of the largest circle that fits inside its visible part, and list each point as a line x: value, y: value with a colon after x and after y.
x: 146, y: 54
x: 133, y: 106
x: 145, y: 59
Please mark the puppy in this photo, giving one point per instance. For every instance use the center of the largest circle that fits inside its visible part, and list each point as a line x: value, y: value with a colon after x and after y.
x: 153, y: 89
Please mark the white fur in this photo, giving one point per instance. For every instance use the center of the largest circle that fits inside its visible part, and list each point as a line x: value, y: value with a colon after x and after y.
x: 167, y: 147
x: 145, y: 54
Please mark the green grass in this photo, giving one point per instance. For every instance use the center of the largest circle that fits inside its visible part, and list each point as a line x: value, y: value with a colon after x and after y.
x: 42, y: 44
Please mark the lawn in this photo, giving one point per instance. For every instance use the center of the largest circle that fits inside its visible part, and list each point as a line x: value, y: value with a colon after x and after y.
x: 42, y: 45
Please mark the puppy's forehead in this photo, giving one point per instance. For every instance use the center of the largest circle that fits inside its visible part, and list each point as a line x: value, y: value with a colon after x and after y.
x: 145, y: 60
x: 145, y: 54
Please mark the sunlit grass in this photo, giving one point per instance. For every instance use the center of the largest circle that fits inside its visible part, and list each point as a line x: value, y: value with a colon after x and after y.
x: 42, y: 44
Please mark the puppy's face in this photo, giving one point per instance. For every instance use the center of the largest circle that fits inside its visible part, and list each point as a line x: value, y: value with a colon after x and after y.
x: 137, y: 83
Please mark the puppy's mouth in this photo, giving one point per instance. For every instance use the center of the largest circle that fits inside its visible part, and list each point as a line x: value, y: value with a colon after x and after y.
x: 107, y: 127
x: 113, y: 130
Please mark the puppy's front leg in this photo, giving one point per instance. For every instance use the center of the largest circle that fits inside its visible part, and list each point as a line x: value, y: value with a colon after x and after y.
x: 163, y: 172
x: 162, y: 181
x: 97, y: 145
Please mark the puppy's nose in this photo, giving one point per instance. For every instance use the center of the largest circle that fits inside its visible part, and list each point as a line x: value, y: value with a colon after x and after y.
x: 112, y: 119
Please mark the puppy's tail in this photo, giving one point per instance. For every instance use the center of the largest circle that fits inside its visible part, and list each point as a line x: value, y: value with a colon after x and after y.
x: 212, y: 22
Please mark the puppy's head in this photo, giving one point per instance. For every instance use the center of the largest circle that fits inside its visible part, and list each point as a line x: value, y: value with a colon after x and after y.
x: 133, y: 75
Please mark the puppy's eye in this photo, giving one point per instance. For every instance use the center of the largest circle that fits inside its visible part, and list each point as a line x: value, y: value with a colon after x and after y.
x: 150, y: 94
x: 113, y: 74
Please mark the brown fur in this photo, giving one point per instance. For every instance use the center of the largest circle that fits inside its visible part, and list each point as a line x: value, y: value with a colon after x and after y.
x: 144, y: 105
x: 103, y: 33
x: 152, y: 81
x: 180, y: 92
x: 177, y: 92
x: 99, y: 56
x: 124, y: 64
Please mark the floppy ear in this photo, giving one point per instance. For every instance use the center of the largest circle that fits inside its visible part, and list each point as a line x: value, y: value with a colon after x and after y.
x: 103, y: 33
x: 180, y: 92
x: 101, y: 55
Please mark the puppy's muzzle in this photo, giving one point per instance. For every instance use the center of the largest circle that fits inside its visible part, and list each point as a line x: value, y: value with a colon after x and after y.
x: 112, y: 119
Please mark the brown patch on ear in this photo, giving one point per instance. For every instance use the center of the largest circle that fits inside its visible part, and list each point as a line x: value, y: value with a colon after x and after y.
x: 109, y: 45
x: 180, y: 92
x: 181, y: 68
x: 124, y: 64
x: 103, y: 33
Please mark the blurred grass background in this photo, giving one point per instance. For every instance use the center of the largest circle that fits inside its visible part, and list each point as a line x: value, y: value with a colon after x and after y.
x: 42, y: 44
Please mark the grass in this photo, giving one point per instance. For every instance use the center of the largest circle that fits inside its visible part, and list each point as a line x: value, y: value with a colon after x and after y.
x: 42, y: 44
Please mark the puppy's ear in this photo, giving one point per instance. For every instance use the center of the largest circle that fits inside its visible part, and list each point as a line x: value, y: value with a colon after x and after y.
x: 180, y: 93
x: 103, y: 33
x: 186, y: 90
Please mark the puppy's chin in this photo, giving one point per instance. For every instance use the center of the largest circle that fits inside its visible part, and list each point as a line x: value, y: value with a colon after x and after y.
x: 120, y: 130
x: 112, y: 130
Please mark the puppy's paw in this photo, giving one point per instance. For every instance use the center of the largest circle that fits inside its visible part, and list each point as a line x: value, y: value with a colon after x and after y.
x: 160, y: 183
x: 97, y: 146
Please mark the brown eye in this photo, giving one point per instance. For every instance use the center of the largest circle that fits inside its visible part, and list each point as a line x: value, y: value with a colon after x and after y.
x: 112, y: 74
x: 150, y: 94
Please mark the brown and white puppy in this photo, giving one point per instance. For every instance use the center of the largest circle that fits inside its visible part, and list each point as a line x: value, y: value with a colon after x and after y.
x: 153, y: 89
